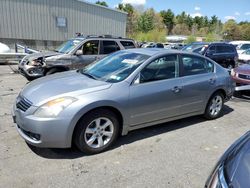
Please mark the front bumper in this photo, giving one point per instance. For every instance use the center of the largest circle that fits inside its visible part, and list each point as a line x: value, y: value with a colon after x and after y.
x: 30, y: 71
x: 42, y: 132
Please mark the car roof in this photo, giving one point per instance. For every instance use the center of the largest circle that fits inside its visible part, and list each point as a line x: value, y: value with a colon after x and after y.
x: 159, y: 51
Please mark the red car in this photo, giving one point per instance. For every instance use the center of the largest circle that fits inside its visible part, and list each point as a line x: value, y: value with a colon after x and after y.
x: 241, y: 75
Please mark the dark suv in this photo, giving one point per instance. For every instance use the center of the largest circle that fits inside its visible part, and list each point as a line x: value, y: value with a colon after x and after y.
x: 223, y: 53
x: 73, y: 54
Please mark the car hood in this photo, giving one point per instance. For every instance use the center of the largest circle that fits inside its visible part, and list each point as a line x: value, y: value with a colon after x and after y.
x: 70, y: 83
x: 243, y: 69
x: 41, y: 54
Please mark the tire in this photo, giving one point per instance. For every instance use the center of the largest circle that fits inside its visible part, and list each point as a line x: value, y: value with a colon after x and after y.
x: 90, y: 138
x: 214, y: 106
x: 53, y: 70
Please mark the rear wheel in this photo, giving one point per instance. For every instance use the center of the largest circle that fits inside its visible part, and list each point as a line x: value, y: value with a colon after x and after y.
x: 96, y: 131
x: 214, y: 106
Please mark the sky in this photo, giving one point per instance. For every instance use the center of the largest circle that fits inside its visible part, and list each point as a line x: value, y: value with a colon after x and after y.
x: 224, y: 9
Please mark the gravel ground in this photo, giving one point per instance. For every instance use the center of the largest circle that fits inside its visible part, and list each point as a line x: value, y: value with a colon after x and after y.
x: 176, y: 154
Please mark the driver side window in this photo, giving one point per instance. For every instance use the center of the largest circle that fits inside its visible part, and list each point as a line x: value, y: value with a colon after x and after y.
x: 166, y: 67
x: 90, y: 47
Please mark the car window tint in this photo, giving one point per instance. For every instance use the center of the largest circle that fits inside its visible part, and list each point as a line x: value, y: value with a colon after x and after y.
x: 110, y: 46
x: 224, y: 49
x: 127, y: 44
x: 162, y: 68
x: 90, y: 47
x: 245, y: 46
x: 195, y: 65
x: 212, y: 48
x: 247, y: 52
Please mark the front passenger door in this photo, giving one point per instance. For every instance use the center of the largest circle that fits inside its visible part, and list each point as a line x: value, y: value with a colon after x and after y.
x: 86, y: 54
x: 155, y: 95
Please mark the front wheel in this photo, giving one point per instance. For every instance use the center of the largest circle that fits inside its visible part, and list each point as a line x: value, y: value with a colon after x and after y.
x: 96, y: 131
x: 214, y: 106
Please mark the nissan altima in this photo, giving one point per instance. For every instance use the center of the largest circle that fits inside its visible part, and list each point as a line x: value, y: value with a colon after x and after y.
x: 126, y: 90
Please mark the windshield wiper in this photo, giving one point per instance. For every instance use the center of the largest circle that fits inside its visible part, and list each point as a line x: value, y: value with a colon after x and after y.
x: 88, y: 75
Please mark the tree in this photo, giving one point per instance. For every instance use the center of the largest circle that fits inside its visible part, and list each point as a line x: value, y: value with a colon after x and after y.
x: 131, y: 19
x: 145, y: 22
x: 181, y: 29
x: 102, y: 3
x: 231, y: 30
x: 168, y: 19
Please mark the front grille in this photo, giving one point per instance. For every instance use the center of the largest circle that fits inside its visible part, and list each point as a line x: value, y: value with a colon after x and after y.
x: 243, y: 76
x: 23, y: 104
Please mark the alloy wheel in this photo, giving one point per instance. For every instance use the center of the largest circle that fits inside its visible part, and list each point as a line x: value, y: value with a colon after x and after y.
x: 216, y: 105
x: 99, y: 132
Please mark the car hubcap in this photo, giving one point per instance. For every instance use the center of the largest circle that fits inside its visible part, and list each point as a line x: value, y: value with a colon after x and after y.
x: 99, y: 132
x: 216, y: 105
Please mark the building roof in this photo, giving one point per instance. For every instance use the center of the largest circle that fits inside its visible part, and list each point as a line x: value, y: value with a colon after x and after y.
x: 93, y: 4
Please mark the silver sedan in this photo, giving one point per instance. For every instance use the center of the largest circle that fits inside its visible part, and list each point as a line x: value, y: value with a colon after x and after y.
x: 127, y: 90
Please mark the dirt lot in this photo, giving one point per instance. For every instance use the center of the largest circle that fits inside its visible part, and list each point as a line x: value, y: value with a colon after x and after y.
x: 177, y: 154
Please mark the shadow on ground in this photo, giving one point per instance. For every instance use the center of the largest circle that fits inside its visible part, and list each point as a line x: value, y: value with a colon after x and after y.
x: 133, y: 136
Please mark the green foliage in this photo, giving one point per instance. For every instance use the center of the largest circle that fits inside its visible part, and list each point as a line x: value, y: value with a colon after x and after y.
x: 231, y: 30
x: 190, y: 39
x: 153, y: 35
x: 210, y: 37
x: 145, y: 22
x: 103, y: 3
x: 168, y: 19
x: 149, y: 25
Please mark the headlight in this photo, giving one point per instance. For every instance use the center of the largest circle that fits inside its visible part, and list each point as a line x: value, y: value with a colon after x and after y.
x: 54, y: 107
x: 233, y: 73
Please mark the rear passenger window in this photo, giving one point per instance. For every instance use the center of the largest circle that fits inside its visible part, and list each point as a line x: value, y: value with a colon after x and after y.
x: 224, y: 49
x: 127, y: 44
x: 195, y: 65
x: 110, y: 46
x: 162, y: 68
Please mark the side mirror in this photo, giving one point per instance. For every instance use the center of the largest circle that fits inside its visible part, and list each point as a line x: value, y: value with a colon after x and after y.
x: 137, y: 79
x: 78, y: 52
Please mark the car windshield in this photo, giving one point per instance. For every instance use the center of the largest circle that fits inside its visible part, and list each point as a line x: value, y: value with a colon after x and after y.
x: 68, y: 45
x: 243, y: 47
x: 115, y: 67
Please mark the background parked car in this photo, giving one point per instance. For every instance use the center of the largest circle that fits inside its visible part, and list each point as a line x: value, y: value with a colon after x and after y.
x: 244, y: 57
x: 195, y: 47
x: 126, y: 90
x: 153, y: 45
x: 232, y: 170
x: 241, y: 75
x: 223, y: 53
x: 4, y: 48
x: 241, y: 46
x: 73, y: 54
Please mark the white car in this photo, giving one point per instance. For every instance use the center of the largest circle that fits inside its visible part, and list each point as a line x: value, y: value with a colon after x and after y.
x: 244, y: 56
x: 4, y: 48
x: 241, y: 46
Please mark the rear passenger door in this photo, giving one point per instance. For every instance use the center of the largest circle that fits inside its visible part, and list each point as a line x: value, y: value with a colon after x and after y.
x: 198, y: 79
x: 108, y: 47
x: 127, y: 44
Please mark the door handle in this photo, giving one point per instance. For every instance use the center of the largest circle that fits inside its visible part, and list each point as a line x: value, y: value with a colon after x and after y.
x: 176, y: 89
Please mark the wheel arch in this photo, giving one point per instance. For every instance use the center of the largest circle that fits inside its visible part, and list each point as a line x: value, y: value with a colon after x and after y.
x: 113, y: 109
x: 61, y: 68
